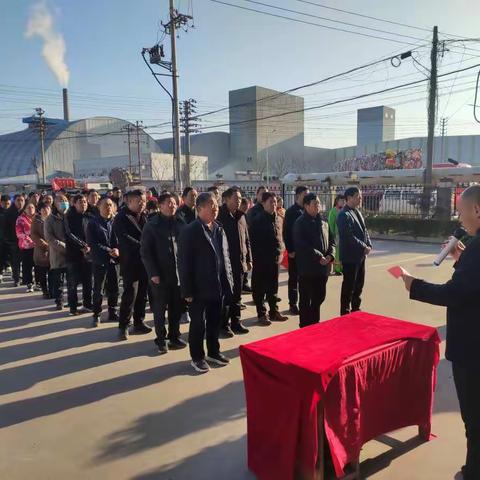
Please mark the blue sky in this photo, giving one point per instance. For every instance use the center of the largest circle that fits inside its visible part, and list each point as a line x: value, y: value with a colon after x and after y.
x: 231, y: 48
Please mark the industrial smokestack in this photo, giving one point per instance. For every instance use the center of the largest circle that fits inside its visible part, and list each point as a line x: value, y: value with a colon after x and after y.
x: 66, y: 115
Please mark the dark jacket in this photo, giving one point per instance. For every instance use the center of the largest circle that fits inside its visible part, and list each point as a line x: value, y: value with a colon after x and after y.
x: 291, y: 216
x: 92, y: 211
x: 101, y: 239
x: 253, y: 212
x: 128, y: 230
x: 3, y: 215
x: 235, y: 226
x: 40, y: 251
x: 266, y: 239
x: 312, y: 240
x: 186, y: 214
x: 10, y: 220
x: 461, y: 296
x: 353, y: 235
x: 54, y: 229
x: 76, y: 234
x: 159, y: 247
x: 204, y: 267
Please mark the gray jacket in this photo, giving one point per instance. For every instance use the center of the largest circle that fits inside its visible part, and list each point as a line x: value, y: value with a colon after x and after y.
x: 55, y: 236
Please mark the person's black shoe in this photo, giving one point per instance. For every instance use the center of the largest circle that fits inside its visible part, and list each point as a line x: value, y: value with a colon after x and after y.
x: 218, y: 359
x: 264, y: 320
x: 277, y: 299
x: 46, y: 296
x: 58, y: 306
x: 277, y: 317
x: 122, y: 334
x: 294, y: 310
x: 177, y: 344
x: 16, y: 284
x: 243, y: 306
x: 112, y: 316
x: 239, y: 329
x: 140, y: 329
x: 87, y: 309
x: 74, y: 313
x: 247, y: 289
x: 96, y: 320
x: 162, y: 346
x: 226, y: 332
x: 200, y: 366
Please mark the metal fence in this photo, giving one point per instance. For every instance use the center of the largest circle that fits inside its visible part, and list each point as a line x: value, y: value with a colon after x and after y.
x: 393, y: 200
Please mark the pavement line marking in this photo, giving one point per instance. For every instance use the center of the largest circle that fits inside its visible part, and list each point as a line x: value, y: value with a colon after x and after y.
x: 411, y: 259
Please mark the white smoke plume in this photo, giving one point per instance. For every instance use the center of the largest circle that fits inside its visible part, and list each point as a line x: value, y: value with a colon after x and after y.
x: 41, y: 24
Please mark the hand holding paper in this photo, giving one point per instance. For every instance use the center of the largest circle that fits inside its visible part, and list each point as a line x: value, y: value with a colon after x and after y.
x: 397, y: 271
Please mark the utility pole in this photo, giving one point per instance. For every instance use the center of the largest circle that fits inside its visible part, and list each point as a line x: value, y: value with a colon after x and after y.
x: 127, y: 128
x: 41, y: 130
x: 189, y: 126
x: 432, y: 107
x: 138, y: 125
x: 443, y: 132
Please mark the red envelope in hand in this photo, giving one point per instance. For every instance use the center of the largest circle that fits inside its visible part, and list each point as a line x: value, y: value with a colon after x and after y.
x: 396, y: 271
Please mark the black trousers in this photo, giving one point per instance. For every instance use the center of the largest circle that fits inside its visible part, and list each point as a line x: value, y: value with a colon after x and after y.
x: 12, y: 252
x: 292, y: 281
x: 79, y: 273
x: 4, y: 256
x: 105, y: 277
x: 58, y: 279
x: 312, y: 294
x: 265, y: 286
x: 134, y: 299
x: 27, y: 266
x: 204, y: 322
x: 352, y: 287
x: 166, y: 297
x: 44, y: 277
x: 467, y: 384
x: 232, y: 311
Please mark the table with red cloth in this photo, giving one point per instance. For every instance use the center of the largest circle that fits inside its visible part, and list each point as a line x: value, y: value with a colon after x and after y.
x: 369, y: 373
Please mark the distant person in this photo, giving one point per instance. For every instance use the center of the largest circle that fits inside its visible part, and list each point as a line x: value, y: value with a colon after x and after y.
x: 10, y: 236
x: 104, y: 254
x: 56, y: 239
x: 41, y: 257
x: 152, y: 208
x: 117, y: 196
x: 338, y: 205
x: 266, y: 243
x: 258, y: 207
x: 355, y: 246
x: 244, y: 206
x: 159, y: 250
x: 93, y: 198
x: 23, y: 228
x: 235, y: 227
x: 292, y: 214
x: 5, y: 204
x: 187, y: 212
x: 216, y: 193
x: 315, y: 253
x: 128, y: 227
x: 205, y: 280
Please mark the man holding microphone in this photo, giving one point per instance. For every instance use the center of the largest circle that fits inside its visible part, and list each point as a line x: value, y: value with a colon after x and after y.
x: 460, y: 295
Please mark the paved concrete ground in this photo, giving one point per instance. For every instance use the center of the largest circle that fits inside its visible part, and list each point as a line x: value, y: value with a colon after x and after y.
x: 77, y: 404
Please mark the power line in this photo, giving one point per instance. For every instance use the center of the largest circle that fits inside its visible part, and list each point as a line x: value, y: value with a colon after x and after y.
x: 310, y: 23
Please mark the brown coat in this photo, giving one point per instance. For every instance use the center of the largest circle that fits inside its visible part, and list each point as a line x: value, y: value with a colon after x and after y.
x: 40, y: 252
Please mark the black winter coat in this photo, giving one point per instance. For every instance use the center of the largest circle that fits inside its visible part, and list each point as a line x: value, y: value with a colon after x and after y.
x: 291, y: 216
x: 10, y: 220
x: 203, y: 275
x: 101, y: 239
x: 128, y: 230
x: 235, y: 226
x: 266, y: 239
x: 460, y: 295
x: 253, y: 212
x: 186, y: 214
x: 353, y: 235
x: 159, y: 246
x: 312, y: 240
x: 76, y: 234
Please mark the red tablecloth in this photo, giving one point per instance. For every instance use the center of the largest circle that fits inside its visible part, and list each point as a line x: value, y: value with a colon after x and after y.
x: 374, y: 374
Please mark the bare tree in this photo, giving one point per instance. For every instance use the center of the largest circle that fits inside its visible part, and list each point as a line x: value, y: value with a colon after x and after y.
x: 280, y: 166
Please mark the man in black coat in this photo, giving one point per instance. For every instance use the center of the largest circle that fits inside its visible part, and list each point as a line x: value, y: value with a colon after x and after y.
x: 266, y: 243
x: 10, y: 236
x: 355, y: 246
x: 291, y: 216
x: 460, y: 295
x: 104, y: 254
x: 79, y: 269
x: 187, y: 212
x: 5, y: 204
x: 206, y: 281
x: 128, y: 226
x: 258, y: 207
x: 235, y: 226
x: 159, y: 246
x: 315, y: 247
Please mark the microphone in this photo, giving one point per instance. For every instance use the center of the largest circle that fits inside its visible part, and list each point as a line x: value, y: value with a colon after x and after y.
x: 452, y: 243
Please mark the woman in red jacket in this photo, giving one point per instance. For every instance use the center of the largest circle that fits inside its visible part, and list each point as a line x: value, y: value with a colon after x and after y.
x: 23, y: 229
